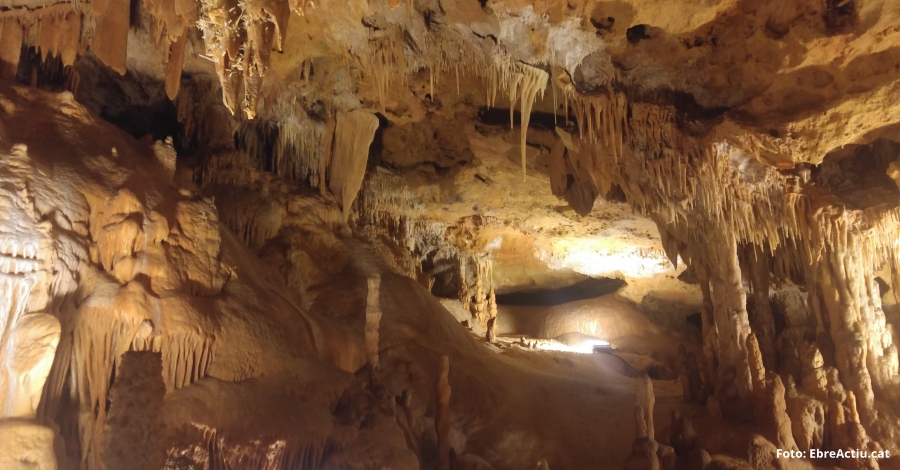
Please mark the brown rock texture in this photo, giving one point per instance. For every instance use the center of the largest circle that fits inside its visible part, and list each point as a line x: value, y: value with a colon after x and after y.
x: 255, y: 234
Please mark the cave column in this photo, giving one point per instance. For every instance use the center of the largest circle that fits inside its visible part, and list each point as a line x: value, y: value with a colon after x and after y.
x: 730, y: 313
x: 842, y: 289
x: 882, y: 339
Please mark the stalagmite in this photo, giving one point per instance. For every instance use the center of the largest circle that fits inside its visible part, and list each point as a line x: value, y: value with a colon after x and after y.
x: 843, y: 300
x: 729, y: 297
x: 373, y: 320
x: 689, y: 374
x: 491, y: 333
x: 464, y: 296
x: 807, y: 417
x: 442, y: 413
x: 835, y: 436
x: 480, y: 305
x: 709, y: 330
x: 857, y: 439
x: 492, y: 302
x: 643, y: 450
x: 353, y: 134
x: 646, y: 400
x: 762, y: 322
x: 770, y: 408
x: 814, y: 378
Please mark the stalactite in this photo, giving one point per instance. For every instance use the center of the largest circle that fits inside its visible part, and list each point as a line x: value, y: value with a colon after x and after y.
x: 174, y: 65
x: 11, y: 38
x: 110, y: 42
x: 254, y: 217
x: 297, y: 149
x: 387, y: 65
x: 111, y: 322
x: 327, y: 152
x: 353, y: 134
x: 239, y: 36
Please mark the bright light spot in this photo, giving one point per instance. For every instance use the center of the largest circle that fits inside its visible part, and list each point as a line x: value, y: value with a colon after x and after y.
x: 584, y: 347
x: 494, y: 245
x: 607, y: 257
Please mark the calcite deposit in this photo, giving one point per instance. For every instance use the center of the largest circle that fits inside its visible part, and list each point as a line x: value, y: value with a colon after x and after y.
x: 449, y: 234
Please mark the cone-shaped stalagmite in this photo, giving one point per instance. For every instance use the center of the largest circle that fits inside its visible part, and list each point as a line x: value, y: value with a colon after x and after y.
x: 762, y: 321
x: 709, y: 331
x: 769, y: 406
x: 442, y: 413
x: 373, y: 321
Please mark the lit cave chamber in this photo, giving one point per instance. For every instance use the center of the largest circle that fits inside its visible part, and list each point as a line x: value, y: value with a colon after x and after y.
x: 449, y: 234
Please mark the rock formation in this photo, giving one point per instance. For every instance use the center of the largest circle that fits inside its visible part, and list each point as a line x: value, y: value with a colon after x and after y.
x: 442, y: 414
x: 254, y: 234
x: 373, y: 321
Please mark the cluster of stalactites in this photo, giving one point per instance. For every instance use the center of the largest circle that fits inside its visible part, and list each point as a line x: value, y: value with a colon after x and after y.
x: 523, y: 82
x: 678, y: 179
x: 397, y: 54
x: 173, y: 19
x: 387, y: 65
x: 54, y: 30
x: 734, y: 219
x: 292, y: 147
x: 239, y: 36
x: 103, y: 330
